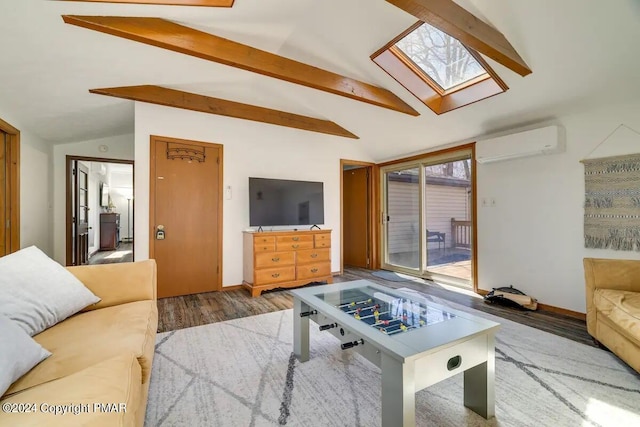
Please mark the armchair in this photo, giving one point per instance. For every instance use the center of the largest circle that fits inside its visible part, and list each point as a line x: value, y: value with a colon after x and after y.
x: 613, y: 306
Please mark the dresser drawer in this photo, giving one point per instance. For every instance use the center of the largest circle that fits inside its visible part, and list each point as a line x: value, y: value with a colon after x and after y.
x: 322, y: 240
x: 264, y: 247
x: 287, y: 243
x: 274, y: 275
x: 309, y: 271
x: 313, y: 255
x: 274, y: 259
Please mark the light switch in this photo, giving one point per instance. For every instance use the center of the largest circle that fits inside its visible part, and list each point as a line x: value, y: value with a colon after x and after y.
x: 227, y: 192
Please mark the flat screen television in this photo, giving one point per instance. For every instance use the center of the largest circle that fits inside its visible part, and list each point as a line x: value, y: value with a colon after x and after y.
x: 285, y: 202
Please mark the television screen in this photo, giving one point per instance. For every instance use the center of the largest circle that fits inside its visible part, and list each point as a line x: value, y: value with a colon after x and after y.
x: 285, y: 202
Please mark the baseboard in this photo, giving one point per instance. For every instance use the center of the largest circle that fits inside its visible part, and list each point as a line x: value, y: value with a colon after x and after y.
x: 551, y: 308
x: 231, y: 288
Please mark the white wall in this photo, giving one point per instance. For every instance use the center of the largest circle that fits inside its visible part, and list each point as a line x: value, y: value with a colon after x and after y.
x: 250, y: 149
x: 35, y: 193
x: 35, y: 189
x: 533, y: 237
x: 119, y: 147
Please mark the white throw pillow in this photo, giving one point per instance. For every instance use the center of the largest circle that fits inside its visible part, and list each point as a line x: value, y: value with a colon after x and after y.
x: 36, y: 292
x: 18, y: 353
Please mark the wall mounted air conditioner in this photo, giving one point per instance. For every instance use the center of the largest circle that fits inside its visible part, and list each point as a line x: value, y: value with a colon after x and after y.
x: 546, y: 140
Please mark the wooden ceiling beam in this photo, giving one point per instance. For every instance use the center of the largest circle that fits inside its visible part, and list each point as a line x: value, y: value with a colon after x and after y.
x: 207, y: 3
x: 222, y: 107
x: 449, y: 17
x: 178, y: 38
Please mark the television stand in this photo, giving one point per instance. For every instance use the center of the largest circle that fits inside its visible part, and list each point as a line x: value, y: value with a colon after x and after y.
x: 314, y: 226
x: 259, y: 230
x: 286, y: 259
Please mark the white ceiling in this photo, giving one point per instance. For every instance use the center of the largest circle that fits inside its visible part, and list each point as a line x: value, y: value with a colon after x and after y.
x: 583, y: 53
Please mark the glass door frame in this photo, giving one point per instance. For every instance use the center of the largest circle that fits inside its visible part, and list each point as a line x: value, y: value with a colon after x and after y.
x: 420, y: 162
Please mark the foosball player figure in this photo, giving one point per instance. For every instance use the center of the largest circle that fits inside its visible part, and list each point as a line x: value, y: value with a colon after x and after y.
x: 422, y: 322
x: 403, y: 327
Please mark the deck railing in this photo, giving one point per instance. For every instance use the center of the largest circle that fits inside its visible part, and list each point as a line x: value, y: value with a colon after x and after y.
x: 460, y: 233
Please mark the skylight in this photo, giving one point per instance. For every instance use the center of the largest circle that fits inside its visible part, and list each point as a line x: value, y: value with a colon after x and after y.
x: 443, y: 58
x: 438, y: 69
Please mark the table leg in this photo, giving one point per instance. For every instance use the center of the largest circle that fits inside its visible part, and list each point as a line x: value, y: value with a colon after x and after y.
x: 398, y: 393
x: 300, y: 330
x: 479, y: 393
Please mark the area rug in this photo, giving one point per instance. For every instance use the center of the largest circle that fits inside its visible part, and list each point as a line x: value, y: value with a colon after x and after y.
x: 242, y: 373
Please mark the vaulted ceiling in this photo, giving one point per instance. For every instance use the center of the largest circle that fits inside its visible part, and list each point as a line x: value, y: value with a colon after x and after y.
x: 583, y: 53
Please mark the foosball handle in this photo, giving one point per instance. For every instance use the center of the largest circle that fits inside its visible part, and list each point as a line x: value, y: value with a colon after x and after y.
x: 349, y: 345
x: 308, y: 313
x: 329, y: 326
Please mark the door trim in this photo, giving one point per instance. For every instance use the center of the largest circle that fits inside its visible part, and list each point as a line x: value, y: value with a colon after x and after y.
x: 13, y: 187
x: 374, y: 209
x: 420, y: 159
x: 68, y: 205
x: 154, y: 139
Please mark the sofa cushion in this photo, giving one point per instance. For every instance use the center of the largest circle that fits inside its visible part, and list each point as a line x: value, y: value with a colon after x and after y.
x: 88, y: 338
x: 105, y: 394
x: 18, y: 352
x: 622, y: 309
x: 37, y: 292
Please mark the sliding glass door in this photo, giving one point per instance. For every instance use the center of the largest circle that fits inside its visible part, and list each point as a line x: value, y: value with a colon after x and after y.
x: 403, y: 218
x: 428, y: 217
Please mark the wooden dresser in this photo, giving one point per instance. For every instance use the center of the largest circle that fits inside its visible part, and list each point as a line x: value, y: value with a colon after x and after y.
x: 285, y: 259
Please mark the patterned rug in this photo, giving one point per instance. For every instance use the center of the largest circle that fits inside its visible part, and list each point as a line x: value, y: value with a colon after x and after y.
x: 242, y: 373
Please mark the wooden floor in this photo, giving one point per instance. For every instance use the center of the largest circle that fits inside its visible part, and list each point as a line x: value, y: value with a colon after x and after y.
x: 459, y: 270
x: 211, y: 307
x: 124, y: 253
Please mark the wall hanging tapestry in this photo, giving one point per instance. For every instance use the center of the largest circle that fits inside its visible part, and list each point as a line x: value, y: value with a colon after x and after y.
x: 612, y: 203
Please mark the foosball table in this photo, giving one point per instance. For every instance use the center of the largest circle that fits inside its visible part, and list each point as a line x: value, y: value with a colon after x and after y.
x: 415, y: 343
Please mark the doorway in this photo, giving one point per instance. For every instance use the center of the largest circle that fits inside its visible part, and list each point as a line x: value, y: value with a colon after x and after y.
x: 185, y: 215
x: 9, y: 188
x: 429, y: 216
x: 100, y: 207
x: 358, y: 214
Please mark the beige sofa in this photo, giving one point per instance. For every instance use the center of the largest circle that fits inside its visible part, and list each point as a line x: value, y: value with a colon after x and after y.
x: 101, y: 358
x: 613, y: 306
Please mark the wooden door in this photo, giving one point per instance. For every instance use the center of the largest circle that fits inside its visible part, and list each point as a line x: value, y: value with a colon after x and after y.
x: 355, y: 193
x: 4, y: 202
x: 185, y: 203
x: 81, y: 214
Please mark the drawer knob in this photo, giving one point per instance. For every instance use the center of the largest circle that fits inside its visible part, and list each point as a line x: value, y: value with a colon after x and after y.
x: 295, y: 246
x: 275, y: 275
x: 295, y: 239
x: 314, y: 255
x: 265, y: 248
x: 276, y: 259
x: 314, y: 270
